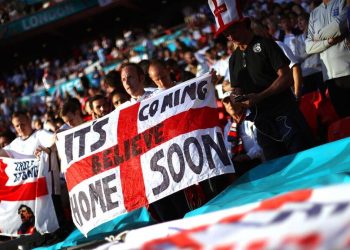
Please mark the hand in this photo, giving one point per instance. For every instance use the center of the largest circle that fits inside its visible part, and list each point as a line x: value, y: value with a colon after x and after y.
x: 214, y: 77
x: 226, y: 86
x: 334, y: 40
x: 252, y: 99
x: 40, y: 149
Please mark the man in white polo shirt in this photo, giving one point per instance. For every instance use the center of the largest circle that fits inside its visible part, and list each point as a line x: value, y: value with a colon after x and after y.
x: 28, y: 141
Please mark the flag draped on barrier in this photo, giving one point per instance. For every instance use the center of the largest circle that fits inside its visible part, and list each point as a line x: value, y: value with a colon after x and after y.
x: 143, y: 152
x: 304, y: 219
x: 25, y: 200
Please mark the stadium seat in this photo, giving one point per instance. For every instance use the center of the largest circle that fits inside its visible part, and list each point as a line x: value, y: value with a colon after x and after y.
x: 339, y: 129
x: 326, y: 112
x: 310, y: 113
x: 314, y: 98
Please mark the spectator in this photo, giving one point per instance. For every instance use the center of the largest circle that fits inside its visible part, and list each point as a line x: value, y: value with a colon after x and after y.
x: 294, y: 65
x: 99, y: 106
x: 28, y: 140
x: 160, y: 75
x: 144, y: 64
x: 310, y: 64
x: 290, y: 32
x: 133, y: 79
x: 38, y: 124
x: 193, y: 65
x: 96, y: 77
x: 6, y: 108
x: 112, y: 82
x: 6, y: 137
x: 71, y: 113
x: 28, y: 220
x: 176, y: 73
x: 260, y: 69
x: 241, y: 136
x: 328, y: 36
x: 28, y: 88
x: 118, y: 98
x: 149, y: 47
x: 100, y: 52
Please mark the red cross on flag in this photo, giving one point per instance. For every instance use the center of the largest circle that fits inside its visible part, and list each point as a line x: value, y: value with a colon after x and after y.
x: 25, y: 202
x: 226, y: 13
x: 143, y: 152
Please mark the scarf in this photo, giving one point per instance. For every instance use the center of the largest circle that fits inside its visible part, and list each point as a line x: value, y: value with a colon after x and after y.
x: 234, y: 137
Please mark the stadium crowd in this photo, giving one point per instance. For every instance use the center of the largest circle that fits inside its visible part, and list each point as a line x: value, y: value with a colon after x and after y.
x: 13, y: 10
x: 139, y: 75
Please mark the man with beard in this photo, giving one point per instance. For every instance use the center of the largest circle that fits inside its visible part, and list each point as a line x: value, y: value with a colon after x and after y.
x: 28, y: 220
x: 99, y: 106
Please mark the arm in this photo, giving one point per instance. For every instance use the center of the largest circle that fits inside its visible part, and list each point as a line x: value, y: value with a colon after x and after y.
x: 329, y: 35
x: 298, y: 80
x: 312, y: 46
x: 336, y: 27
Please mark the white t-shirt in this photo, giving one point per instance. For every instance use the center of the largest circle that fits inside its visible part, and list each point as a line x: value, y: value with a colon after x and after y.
x: 20, y: 149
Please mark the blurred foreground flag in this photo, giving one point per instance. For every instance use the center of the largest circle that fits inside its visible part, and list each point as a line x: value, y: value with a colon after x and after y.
x: 304, y: 219
x: 25, y: 202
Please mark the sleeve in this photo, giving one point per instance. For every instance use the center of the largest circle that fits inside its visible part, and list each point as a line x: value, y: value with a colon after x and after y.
x: 311, y: 45
x: 336, y: 27
x: 7, y: 150
x: 45, y: 138
x: 288, y: 52
x: 275, y: 54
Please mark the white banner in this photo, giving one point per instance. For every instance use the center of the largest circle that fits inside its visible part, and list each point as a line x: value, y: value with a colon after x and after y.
x: 142, y: 153
x: 25, y: 197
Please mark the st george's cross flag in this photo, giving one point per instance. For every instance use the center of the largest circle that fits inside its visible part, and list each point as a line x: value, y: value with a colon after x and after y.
x: 25, y: 200
x: 143, y: 152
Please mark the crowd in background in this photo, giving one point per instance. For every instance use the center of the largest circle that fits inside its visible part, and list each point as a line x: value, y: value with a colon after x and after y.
x: 196, y: 45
